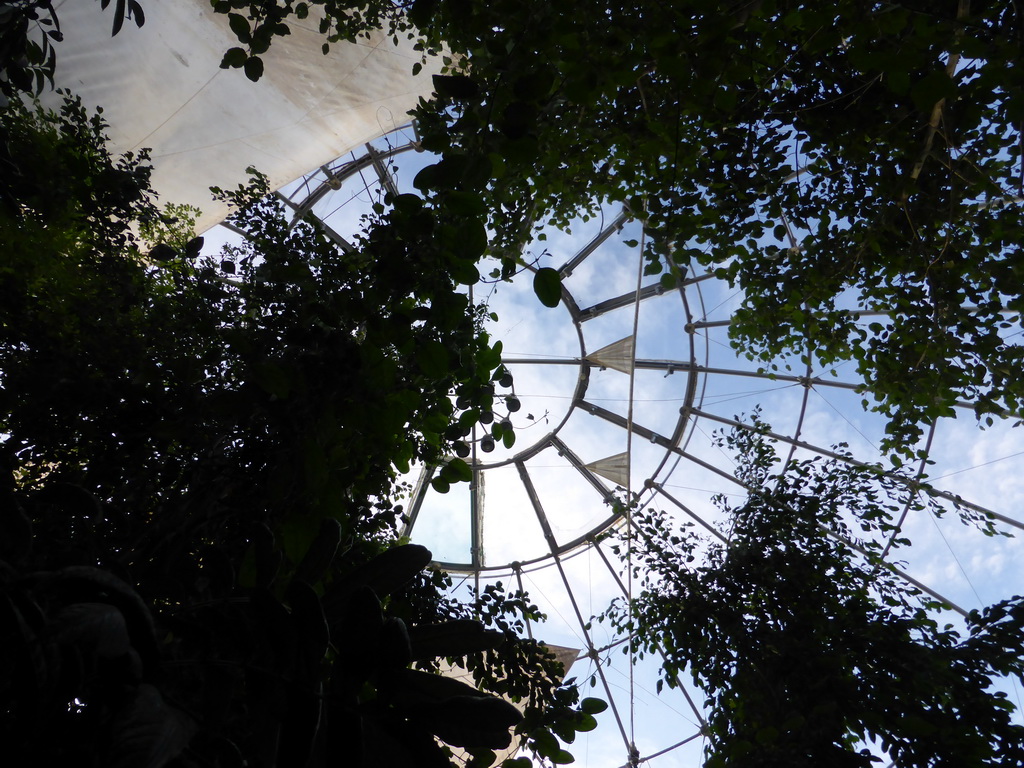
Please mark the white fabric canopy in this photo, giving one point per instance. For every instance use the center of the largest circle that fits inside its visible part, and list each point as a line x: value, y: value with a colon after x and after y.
x: 161, y: 87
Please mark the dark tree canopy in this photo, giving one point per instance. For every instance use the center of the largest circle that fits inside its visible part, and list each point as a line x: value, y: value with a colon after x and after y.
x: 199, y: 560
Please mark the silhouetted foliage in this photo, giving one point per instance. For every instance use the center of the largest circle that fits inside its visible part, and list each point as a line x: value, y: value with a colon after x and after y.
x: 200, y: 457
x: 810, y: 649
x: 828, y: 158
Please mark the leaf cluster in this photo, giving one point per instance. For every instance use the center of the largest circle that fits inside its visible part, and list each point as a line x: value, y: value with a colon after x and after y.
x: 256, y: 24
x: 27, y: 62
x: 213, y: 444
x: 827, y: 158
x: 809, y: 648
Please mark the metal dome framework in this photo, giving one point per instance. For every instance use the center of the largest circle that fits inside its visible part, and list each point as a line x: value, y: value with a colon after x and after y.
x: 672, y: 456
x: 198, y: 125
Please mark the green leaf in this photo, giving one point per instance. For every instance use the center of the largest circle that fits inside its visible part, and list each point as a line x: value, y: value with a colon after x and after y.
x: 547, y: 284
x: 468, y: 204
x: 460, y: 470
x: 432, y: 358
x: 147, y: 732
x: 422, y: 12
x: 458, y: 87
x: 234, y: 58
x: 240, y: 26
x: 464, y: 272
x: 533, y: 86
x: 427, y: 178
x: 545, y: 743
x: 592, y: 706
x: 497, y: 165
x: 273, y: 379
x: 260, y: 44
x: 521, y: 150
x: 934, y: 86
x: 254, y: 68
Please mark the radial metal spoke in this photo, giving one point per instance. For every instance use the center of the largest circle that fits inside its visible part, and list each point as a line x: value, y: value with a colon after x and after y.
x: 853, y: 545
x: 567, y: 269
x: 805, y: 381
x: 661, y: 651
x: 541, y: 361
x: 416, y: 500
x: 638, y: 429
x: 538, y: 508
x: 682, y: 366
x: 849, y: 460
x: 804, y: 399
x: 700, y: 324
x: 732, y: 478
x: 565, y: 452
x: 625, y: 300
x: 697, y: 279
x: 382, y: 172
x: 690, y: 513
x: 673, y: 366
x: 669, y: 366
x: 906, y: 507
x: 697, y: 325
x: 590, y: 650
x: 552, y: 544
x: 331, y: 234
x: 476, y: 517
x: 666, y: 750
x: 607, y: 564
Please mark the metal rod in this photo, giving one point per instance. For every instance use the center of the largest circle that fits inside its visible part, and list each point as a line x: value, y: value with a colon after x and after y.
x: 625, y: 300
x: 849, y: 460
x: 567, y: 269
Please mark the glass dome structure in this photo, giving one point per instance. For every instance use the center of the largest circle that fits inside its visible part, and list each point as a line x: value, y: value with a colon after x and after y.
x: 621, y: 390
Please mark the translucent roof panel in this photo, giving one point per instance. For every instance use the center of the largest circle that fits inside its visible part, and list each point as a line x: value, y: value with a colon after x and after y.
x: 161, y: 87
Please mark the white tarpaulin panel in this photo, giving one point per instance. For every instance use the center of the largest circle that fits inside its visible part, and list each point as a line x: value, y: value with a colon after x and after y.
x: 161, y: 87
